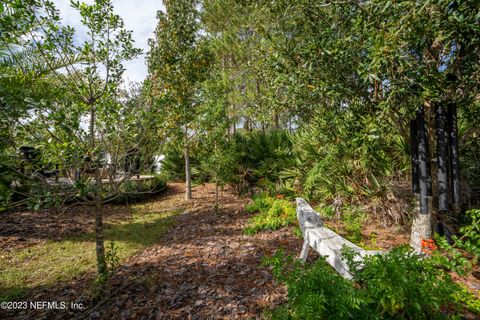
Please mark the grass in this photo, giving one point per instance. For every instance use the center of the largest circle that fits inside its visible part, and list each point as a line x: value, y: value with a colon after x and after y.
x: 48, y: 264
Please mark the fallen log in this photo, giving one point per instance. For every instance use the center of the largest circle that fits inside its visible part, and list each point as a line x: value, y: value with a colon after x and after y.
x: 324, y: 241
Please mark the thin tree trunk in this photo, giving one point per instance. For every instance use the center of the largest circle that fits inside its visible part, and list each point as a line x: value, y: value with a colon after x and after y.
x: 99, y: 239
x: 454, y: 163
x: 188, y: 177
x: 414, y: 156
x: 216, y: 196
x: 442, y: 145
x: 423, y: 154
x: 246, y: 126
x: 92, y: 127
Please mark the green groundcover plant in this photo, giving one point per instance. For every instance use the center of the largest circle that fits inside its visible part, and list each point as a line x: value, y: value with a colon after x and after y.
x: 396, y: 285
x: 273, y: 213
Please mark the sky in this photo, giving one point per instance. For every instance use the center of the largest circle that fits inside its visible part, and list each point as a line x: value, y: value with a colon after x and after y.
x: 138, y: 15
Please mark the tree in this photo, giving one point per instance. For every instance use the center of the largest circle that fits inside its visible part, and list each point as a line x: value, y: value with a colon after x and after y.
x: 22, y: 80
x: 178, y: 62
x: 426, y: 56
x: 88, y: 88
x: 363, y: 67
x: 216, y: 147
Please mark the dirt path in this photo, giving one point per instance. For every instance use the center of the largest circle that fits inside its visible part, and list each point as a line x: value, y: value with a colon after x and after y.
x: 203, y: 268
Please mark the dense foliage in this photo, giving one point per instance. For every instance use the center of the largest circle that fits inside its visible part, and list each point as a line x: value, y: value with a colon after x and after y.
x: 273, y: 213
x: 290, y: 98
x: 316, y: 97
x: 396, y: 285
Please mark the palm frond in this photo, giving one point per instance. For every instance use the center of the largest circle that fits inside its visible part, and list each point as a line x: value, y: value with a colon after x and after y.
x: 29, y: 60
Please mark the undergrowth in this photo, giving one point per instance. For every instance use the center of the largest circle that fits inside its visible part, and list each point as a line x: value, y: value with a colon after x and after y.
x: 353, y: 218
x: 396, y: 285
x: 273, y: 213
x: 462, y: 254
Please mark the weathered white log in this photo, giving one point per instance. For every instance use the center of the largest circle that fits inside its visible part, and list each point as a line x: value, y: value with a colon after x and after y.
x: 324, y: 241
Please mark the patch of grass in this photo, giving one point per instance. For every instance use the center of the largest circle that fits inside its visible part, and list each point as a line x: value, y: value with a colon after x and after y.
x: 273, y: 214
x: 54, y: 262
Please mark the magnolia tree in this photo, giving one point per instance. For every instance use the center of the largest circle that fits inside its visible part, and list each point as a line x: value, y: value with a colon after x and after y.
x: 217, y: 153
x: 178, y: 62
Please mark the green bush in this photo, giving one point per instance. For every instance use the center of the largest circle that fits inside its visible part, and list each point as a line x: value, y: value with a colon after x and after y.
x: 273, y: 214
x: 325, y: 211
x: 261, y: 158
x: 258, y: 158
x: 261, y: 203
x: 353, y: 161
x: 400, y: 284
x: 468, y: 299
x: 6, y: 178
x: 463, y: 254
x: 470, y: 239
x: 396, y: 285
x: 449, y: 257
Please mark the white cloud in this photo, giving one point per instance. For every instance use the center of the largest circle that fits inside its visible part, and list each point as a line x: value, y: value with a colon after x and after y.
x: 138, y: 15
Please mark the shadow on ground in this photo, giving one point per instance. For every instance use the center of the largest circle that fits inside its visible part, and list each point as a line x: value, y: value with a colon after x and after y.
x: 204, y: 267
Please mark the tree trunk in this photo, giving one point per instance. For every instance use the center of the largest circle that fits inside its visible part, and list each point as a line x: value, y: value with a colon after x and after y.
x: 276, y: 120
x: 454, y: 164
x: 233, y: 129
x: 421, y: 225
x: 246, y: 125
x: 99, y: 239
x: 414, y: 156
x: 188, y: 178
x: 216, y: 196
x: 424, y: 168
x: 442, y: 177
x: 92, y: 127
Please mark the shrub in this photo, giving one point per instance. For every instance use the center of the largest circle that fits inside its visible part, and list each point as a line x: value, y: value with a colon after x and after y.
x: 397, y: 285
x: 464, y: 253
x: 469, y: 300
x: 353, y: 161
x: 5, y: 181
x: 400, y: 284
x: 314, y: 292
x: 261, y: 203
x: 450, y: 258
x: 325, y: 211
x: 470, y: 240
x: 261, y: 158
x: 273, y: 214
